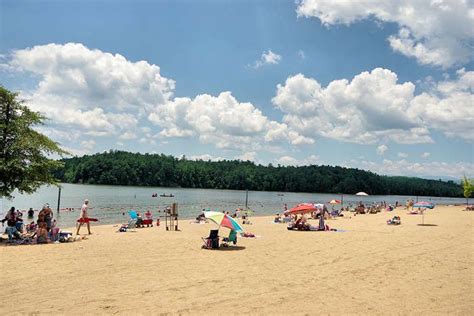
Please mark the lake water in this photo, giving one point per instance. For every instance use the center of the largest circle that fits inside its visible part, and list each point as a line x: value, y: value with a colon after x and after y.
x: 108, y: 203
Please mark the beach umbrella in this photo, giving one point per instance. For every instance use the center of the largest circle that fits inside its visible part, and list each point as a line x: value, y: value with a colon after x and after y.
x: 302, y: 209
x: 422, y: 206
x: 361, y: 194
x: 223, y: 220
x: 335, y: 202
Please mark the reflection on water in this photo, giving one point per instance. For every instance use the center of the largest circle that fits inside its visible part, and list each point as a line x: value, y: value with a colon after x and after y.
x: 111, y: 203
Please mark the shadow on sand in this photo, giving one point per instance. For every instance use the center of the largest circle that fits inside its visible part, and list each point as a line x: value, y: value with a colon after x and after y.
x: 230, y: 248
x: 428, y: 225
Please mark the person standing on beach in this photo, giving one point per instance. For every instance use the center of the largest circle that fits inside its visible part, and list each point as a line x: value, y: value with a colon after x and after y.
x: 83, y: 218
x: 48, y: 216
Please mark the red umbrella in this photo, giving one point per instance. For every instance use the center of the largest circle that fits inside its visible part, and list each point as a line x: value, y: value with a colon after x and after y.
x: 302, y: 209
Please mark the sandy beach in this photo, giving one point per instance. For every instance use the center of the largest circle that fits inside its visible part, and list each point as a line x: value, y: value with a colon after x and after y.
x: 369, y: 268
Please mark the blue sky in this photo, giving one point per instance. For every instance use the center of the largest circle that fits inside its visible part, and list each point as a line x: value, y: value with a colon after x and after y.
x: 385, y: 87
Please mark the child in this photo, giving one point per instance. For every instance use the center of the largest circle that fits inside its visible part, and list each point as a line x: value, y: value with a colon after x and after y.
x: 42, y: 233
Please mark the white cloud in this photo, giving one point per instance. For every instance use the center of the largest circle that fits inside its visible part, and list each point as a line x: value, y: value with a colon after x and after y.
x: 59, y: 134
x: 102, y: 94
x: 88, y: 144
x: 425, y: 155
x: 437, y: 32
x: 222, y: 121
x: 128, y: 136
x: 373, y: 107
x: 291, y: 161
x: 88, y: 92
x: 402, y: 155
x: 421, y: 169
x: 449, y: 107
x: 267, y: 58
x: 96, y: 92
x: 250, y: 155
x: 76, y: 151
x: 381, y: 149
x: 206, y: 157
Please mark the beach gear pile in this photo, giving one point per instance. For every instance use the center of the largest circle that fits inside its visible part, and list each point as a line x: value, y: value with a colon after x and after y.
x: 137, y: 221
x: 394, y: 221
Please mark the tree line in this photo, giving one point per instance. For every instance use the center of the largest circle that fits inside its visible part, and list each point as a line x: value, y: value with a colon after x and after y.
x: 125, y: 168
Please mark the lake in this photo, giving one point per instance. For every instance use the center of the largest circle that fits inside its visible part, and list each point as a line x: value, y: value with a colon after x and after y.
x: 109, y: 203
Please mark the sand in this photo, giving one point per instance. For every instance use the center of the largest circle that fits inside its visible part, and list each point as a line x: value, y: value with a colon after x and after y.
x: 371, y: 268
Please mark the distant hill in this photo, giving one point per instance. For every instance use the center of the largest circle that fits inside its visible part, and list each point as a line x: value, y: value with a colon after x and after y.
x: 125, y: 168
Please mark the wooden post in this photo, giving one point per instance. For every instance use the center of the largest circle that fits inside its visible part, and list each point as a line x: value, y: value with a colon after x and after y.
x: 247, y: 199
x: 175, y: 214
x: 59, y: 198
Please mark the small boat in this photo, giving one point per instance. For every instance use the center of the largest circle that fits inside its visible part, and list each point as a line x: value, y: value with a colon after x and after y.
x: 280, y: 194
x: 166, y: 195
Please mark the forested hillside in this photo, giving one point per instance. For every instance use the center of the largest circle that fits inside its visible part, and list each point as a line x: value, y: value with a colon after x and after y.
x: 124, y: 168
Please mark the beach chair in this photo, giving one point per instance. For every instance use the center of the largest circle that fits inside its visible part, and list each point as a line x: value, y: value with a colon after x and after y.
x: 132, y: 222
x: 211, y: 242
x: 231, y: 239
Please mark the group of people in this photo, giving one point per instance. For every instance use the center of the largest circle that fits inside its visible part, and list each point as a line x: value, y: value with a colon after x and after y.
x: 375, y: 207
x: 300, y: 222
x: 282, y: 218
x: 41, y: 231
x: 147, y: 220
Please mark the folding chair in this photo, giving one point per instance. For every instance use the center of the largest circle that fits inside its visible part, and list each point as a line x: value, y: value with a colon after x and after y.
x: 211, y: 242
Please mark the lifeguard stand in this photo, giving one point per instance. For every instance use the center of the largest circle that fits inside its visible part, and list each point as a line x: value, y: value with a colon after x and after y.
x: 171, y: 218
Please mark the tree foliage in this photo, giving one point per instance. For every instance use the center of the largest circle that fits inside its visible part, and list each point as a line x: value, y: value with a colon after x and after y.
x: 124, y: 168
x: 24, y: 161
x: 468, y: 187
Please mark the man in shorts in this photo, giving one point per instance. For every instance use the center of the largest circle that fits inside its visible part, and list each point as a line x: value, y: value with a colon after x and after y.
x: 84, y: 218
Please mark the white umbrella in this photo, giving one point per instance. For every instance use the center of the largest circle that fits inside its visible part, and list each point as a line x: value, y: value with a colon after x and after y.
x: 362, y: 194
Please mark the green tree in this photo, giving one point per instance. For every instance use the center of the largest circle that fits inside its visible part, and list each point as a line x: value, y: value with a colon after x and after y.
x: 24, y: 152
x: 468, y: 187
x: 124, y: 168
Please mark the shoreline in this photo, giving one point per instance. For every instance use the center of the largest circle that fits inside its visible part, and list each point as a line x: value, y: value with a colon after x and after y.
x: 270, y: 216
x: 237, y: 190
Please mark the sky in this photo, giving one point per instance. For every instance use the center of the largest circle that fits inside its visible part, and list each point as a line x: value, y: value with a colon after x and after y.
x: 385, y: 86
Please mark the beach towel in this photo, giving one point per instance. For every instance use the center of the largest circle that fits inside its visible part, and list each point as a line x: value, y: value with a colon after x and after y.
x: 249, y: 235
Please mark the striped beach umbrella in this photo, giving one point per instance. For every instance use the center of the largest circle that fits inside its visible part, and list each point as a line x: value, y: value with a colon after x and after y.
x: 223, y: 220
